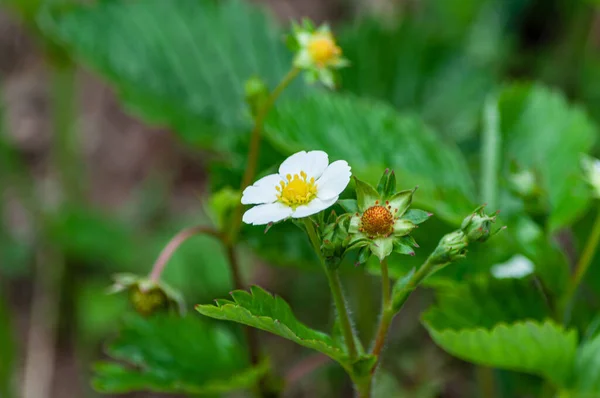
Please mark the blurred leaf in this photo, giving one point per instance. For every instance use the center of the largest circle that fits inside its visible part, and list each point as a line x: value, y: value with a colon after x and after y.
x: 543, y: 349
x: 485, y: 303
x: 586, y: 373
x: 180, y: 64
x: 542, y: 132
x: 176, y: 355
x: 372, y: 137
x: 86, y: 234
x: 440, y: 59
x: 270, y: 313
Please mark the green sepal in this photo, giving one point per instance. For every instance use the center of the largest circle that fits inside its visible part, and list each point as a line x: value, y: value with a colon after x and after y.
x: 403, y: 227
x: 363, y: 254
x: 350, y: 205
x: 382, y: 247
x: 477, y: 226
x: 366, y: 195
x: 403, y: 248
x: 387, y: 184
x: 401, y: 201
x: 417, y: 216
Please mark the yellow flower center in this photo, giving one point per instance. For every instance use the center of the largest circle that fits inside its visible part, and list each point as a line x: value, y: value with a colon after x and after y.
x: 377, y: 221
x: 297, y: 190
x: 323, y: 50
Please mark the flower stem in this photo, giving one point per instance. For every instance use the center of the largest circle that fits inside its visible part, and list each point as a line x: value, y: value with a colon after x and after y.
x: 336, y: 291
x: 387, y: 312
x: 254, y: 149
x: 584, y: 263
x: 168, y: 251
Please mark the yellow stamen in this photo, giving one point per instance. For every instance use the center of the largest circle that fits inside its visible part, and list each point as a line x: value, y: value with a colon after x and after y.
x: 323, y: 50
x: 298, y: 190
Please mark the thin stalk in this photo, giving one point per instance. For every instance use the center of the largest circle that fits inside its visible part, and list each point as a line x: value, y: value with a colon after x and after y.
x: 254, y: 149
x: 584, y: 262
x: 490, y: 168
x: 490, y: 153
x: 387, y: 312
x: 336, y: 291
x: 168, y: 251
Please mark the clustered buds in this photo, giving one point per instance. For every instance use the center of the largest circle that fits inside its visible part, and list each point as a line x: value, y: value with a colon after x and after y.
x: 148, y: 297
x: 335, y: 239
x: 477, y: 227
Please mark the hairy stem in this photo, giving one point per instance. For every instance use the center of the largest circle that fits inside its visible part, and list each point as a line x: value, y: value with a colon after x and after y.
x: 490, y: 154
x: 254, y: 149
x: 168, y: 251
x: 387, y: 312
x: 336, y: 291
x: 583, y: 264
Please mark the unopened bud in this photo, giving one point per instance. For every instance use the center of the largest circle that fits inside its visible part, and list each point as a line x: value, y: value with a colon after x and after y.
x: 477, y: 226
x: 452, y: 247
x: 256, y: 92
x: 147, y: 296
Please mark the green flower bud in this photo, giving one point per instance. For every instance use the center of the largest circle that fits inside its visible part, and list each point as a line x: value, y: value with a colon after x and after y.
x: 477, y: 226
x: 591, y: 173
x: 335, y: 239
x: 452, y: 247
x: 147, y: 296
x: 256, y: 92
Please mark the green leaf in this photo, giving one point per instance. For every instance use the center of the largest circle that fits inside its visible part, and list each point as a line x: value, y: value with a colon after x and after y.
x: 264, y: 311
x: 373, y: 136
x: 586, y: 372
x: 485, y: 303
x: 543, y: 133
x: 180, y: 64
x: 175, y: 355
x: 545, y: 349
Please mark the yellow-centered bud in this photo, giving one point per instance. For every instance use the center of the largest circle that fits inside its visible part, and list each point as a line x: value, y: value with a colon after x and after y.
x: 323, y: 49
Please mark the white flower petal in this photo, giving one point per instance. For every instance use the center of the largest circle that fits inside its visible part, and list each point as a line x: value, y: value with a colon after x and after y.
x: 313, y: 207
x: 334, y: 180
x: 303, y: 59
x: 313, y: 163
x: 262, y: 191
x: 518, y: 266
x: 264, y: 214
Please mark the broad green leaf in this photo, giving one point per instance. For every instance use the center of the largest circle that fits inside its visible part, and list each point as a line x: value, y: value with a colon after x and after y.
x: 264, y: 311
x: 545, y: 349
x: 372, y: 137
x: 440, y: 59
x: 586, y: 373
x: 485, y: 303
x: 543, y: 133
x: 175, y: 355
x: 180, y: 64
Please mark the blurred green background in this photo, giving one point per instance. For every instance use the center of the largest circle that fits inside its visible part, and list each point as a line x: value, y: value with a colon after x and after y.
x: 119, y: 123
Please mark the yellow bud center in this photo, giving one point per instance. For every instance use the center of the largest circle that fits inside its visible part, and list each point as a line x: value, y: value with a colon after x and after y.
x: 297, y: 190
x: 377, y: 221
x: 323, y: 50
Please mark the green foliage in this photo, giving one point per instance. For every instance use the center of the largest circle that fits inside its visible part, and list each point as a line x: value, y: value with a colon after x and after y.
x: 484, y: 303
x: 586, y: 373
x: 543, y: 349
x: 544, y: 134
x: 179, y: 66
x: 270, y: 313
x: 175, y: 355
x: 373, y: 137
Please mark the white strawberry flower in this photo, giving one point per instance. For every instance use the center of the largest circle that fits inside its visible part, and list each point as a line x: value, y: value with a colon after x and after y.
x: 305, y: 185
